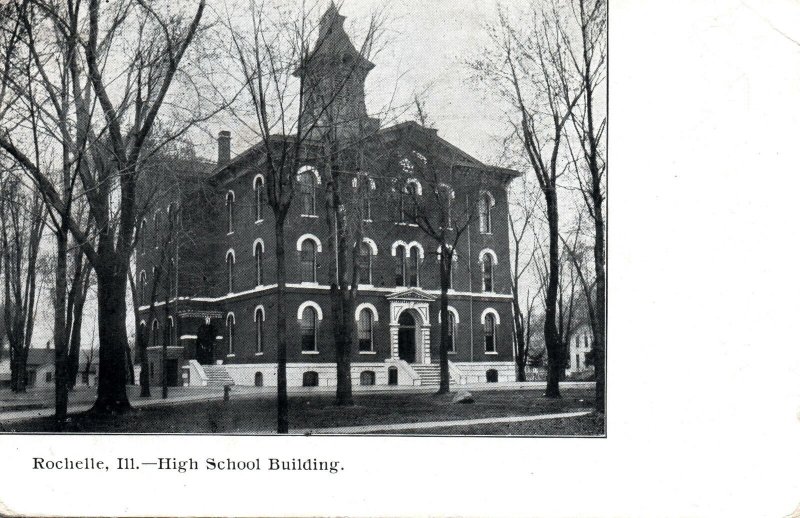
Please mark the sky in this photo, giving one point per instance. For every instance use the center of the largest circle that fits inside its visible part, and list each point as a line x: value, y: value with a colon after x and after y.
x: 427, y: 45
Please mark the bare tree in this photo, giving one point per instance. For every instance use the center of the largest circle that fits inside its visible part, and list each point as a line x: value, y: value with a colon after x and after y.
x: 589, y: 59
x: 295, y: 105
x: 528, y: 61
x: 22, y: 223
x: 267, y: 52
x: 521, y: 219
x: 443, y: 207
x: 335, y: 75
x: 100, y: 47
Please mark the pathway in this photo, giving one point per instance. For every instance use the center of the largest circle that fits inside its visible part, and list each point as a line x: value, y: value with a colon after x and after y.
x: 375, y: 428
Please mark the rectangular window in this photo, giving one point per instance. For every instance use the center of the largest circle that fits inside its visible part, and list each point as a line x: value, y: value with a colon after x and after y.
x: 307, y: 340
x: 365, y: 333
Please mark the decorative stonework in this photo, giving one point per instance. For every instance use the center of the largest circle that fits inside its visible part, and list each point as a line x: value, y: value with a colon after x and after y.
x: 418, y: 302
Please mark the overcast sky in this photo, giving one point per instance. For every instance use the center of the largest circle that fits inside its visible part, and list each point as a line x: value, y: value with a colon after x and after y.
x: 426, y: 47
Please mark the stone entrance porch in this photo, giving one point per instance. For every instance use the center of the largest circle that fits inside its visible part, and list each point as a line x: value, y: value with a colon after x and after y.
x: 417, y: 304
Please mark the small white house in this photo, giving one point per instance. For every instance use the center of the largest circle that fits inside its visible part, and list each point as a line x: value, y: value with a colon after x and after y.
x: 580, y: 344
x: 41, y: 370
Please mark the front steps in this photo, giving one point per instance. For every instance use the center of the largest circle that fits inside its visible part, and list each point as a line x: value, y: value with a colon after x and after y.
x: 217, y: 375
x: 429, y: 373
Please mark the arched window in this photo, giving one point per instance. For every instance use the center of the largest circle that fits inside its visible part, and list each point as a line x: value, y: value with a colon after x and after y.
x: 230, y: 260
x: 485, y: 212
x: 260, y: 330
x: 365, y: 325
x: 259, y: 380
x: 229, y: 202
x: 365, y: 264
x: 307, y: 193
x: 489, y: 332
x: 367, y: 378
x: 258, y: 198
x: 156, y: 229
x: 486, y: 270
x: 171, y: 331
x: 413, y: 267
x: 231, y: 323
x: 308, y: 261
x: 308, y: 330
x: 310, y: 379
x: 259, y: 256
x: 155, y: 340
x: 142, y: 282
x: 400, y: 266
x: 450, y: 340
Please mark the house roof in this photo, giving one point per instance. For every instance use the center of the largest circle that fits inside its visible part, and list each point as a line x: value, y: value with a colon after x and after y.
x: 38, y: 357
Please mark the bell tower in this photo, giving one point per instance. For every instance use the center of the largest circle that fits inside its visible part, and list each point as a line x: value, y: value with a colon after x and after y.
x: 333, y: 75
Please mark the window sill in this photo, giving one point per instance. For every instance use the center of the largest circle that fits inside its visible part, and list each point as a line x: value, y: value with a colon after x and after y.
x: 367, y: 220
x: 404, y: 224
x: 309, y: 216
x: 259, y: 354
x: 229, y: 234
x: 309, y: 283
x: 367, y: 352
x: 490, y: 352
x: 309, y: 352
x: 258, y: 221
x: 230, y: 355
x: 485, y: 233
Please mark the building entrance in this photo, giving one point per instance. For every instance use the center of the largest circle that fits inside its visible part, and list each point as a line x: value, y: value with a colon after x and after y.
x: 407, y: 337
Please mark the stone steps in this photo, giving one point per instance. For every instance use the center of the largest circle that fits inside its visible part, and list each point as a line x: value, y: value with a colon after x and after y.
x: 428, y: 373
x: 217, y: 375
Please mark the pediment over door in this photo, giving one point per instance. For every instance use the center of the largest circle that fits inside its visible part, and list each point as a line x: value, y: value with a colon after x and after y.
x: 411, y: 295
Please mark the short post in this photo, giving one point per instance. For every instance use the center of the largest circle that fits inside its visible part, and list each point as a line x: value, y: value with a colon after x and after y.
x: 227, y: 394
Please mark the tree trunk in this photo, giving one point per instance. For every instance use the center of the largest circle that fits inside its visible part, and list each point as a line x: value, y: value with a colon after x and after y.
x: 444, y: 283
x: 78, y: 303
x: 551, y: 338
x: 600, y: 307
x: 344, y: 342
x: 144, y: 372
x: 112, y: 396
x: 19, y: 373
x: 60, y: 331
x: 280, y: 311
x: 519, y: 333
x: 131, y: 377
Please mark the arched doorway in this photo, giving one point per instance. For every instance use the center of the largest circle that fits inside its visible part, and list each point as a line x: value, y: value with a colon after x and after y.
x: 407, y: 337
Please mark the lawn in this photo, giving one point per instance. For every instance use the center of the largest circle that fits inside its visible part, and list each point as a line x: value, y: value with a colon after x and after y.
x: 257, y: 415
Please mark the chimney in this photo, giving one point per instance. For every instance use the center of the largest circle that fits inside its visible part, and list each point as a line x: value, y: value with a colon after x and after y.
x: 223, y: 148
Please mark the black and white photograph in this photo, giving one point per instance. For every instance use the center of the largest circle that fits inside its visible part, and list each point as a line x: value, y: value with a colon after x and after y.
x: 399, y: 258
x: 273, y: 217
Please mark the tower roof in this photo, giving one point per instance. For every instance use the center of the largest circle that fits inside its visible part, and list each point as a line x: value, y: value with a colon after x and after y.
x: 334, y: 40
